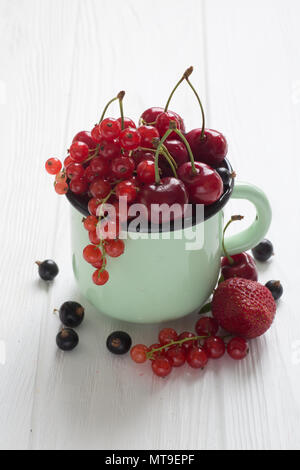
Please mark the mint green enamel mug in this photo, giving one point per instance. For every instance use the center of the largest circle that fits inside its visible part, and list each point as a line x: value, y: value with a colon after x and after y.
x: 156, y: 280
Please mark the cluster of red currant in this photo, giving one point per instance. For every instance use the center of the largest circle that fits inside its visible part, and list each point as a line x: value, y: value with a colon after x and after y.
x: 156, y: 163
x: 175, y: 350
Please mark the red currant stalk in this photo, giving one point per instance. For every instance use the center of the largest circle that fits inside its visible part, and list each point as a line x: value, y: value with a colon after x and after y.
x: 201, y: 107
x: 173, y: 343
x: 233, y: 219
x: 159, y: 150
x: 121, y: 93
x: 188, y: 147
x: 185, y: 76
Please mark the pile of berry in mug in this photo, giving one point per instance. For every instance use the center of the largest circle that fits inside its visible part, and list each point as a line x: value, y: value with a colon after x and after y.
x: 157, y: 162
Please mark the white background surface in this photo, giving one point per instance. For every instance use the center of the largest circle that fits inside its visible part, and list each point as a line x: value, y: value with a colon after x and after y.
x: 61, y: 60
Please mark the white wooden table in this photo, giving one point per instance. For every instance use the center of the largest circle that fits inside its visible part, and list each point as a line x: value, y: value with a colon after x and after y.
x: 61, y: 60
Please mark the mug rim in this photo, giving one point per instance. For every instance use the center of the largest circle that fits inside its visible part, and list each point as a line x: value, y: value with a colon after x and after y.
x: 80, y: 203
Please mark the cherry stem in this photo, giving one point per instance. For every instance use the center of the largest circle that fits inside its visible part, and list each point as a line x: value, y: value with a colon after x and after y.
x: 108, y: 105
x: 164, y: 152
x: 185, y: 76
x: 201, y: 107
x: 158, y: 151
x: 173, y: 343
x: 120, y: 98
x: 233, y: 219
x: 188, y: 147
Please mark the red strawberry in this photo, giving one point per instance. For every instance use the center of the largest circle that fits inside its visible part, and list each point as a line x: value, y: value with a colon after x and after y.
x: 243, y: 307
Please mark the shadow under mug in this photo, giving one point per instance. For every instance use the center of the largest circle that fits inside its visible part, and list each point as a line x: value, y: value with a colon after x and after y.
x: 158, y: 279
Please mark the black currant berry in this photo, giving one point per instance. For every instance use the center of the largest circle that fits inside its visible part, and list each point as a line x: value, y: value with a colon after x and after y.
x: 275, y: 288
x: 226, y: 176
x: 71, y: 314
x: 67, y: 339
x: 48, y: 270
x: 263, y: 251
x: 118, y: 342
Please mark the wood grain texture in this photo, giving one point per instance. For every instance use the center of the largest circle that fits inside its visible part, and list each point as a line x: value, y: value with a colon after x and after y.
x: 61, y: 61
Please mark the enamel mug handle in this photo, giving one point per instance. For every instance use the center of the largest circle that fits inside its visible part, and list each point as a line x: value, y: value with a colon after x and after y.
x: 254, y: 234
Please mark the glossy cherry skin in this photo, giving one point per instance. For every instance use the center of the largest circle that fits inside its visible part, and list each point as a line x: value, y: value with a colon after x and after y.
x: 151, y: 114
x: 206, y: 187
x: 163, y: 123
x: 146, y: 172
x: 127, y: 122
x: 178, y: 151
x: 244, y: 266
x: 169, y: 191
x: 86, y: 137
x: 141, y: 155
x: 212, y: 149
x: 148, y: 133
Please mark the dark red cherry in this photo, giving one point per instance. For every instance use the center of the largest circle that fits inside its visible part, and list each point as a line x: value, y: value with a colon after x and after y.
x: 169, y: 191
x: 146, y: 171
x: 243, y: 266
x: 122, y: 167
x: 163, y: 123
x: 148, y: 133
x: 212, y: 149
x: 141, y: 155
x: 150, y: 115
x: 178, y: 151
x: 86, y: 137
x: 205, y: 187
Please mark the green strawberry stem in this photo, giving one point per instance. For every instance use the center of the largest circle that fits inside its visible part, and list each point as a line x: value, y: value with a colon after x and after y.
x: 233, y: 219
x: 185, y: 76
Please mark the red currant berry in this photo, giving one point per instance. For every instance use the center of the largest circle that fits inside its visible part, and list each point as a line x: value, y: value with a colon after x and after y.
x: 196, y: 357
x: 67, y: 161
x: 79, y: 151
x: 161, y: 367
x: 90, y: 223
x: 100, y: 263
x: 93, y: 205
x: 75, y: 169
x: 122, y: 167
x: 96, y: 134
x: 163, y: 123
x: 139, y: 353
x: 148, y: 133
x: 100, y: 277
x: 92, y: 254
x: 61, y: 177
x: 126, y: 189
x: 114, y: 248
x: 214, y: 347
x: 146, y: 172
x: 109, y: 150
x: 130, y: 139
x: 167, y: 335
x: 100, y: 188
x: 238, y: 348
x: 61, y: 188
x: 109, y: 229
x: 100, y: 167
x: 127, y: 122
x: 110, y: 129
x: 156, y: 354
x: 207, y: 326
x: 89, y: 175
x: 87, y: 138
x: 176, y: 356
x: 95, y: 240
x: 187, y: 344
x: 78, y: 185
x: 53, y: 166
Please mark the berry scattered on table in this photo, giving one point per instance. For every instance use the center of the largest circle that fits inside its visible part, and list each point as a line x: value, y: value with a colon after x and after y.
x: 276, y: 289
x: 67, y: 339
x: 238, y: 348
x: 71, y: 314
x: 48, y: 269
x: 263, y: 251
x: 118, y: 342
